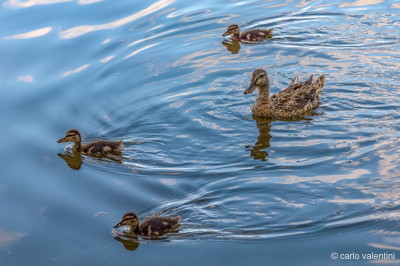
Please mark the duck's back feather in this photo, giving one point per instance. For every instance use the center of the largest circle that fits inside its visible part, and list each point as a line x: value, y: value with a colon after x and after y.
x: 298, y: 98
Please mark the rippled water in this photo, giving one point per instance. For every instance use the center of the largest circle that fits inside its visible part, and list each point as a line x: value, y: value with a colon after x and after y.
x: 159, y: 76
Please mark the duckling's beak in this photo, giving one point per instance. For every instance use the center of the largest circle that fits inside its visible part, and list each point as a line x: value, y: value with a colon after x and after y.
x: 251, y: 88
x: 62, y: 140
x: 226, y: 33
x: 118, y: 225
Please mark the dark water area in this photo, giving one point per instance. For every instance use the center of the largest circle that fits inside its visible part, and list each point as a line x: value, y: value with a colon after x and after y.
x: 159, y: 76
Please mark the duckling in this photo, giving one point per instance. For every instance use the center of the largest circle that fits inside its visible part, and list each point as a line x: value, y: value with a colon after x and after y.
x: 249, y: 35
x: 154, y: 226
x: 96, y: 148
x: 295, y: 100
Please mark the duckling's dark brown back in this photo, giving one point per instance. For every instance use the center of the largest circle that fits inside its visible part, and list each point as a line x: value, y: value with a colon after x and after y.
x: 157, y: 226
x: 102, y: 147
x: 256, y: 35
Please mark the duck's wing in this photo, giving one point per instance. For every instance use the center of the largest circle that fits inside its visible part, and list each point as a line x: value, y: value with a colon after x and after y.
x: 296, y: 99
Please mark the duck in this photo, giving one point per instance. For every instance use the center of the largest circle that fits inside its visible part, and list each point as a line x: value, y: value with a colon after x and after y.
x: 255, y: 35
x: 96, y: 148
x: 153, y: 226
x: 295, y: 100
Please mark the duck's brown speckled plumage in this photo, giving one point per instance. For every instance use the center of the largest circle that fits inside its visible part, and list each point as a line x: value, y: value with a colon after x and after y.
x: 254, y: 35
x: 295, y: 100
x: 96, y: 148
x: 153, y: 226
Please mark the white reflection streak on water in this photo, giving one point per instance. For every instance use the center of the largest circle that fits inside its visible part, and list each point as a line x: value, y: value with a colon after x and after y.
x: 291, y: 179
x: 30, y: 34
x: 7, y: 238
x: 87, y: 2
x: 30, y: 3
x: 362, y: 3
x: 139, y: 50
x: 150, y: 38
x: 76, y: 70
x: 26, y: 78
x: 15, y: 4
x: 106, y: 59
x: 84, y: 29
x: 382, y: 246
x: 340, y: 200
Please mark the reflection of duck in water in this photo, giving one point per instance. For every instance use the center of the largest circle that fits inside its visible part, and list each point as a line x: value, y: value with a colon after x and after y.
x: 295, y: 100
x: 258, y: 151
x: 255, y: 35
x: 154, y: 226
x: 98, y: 148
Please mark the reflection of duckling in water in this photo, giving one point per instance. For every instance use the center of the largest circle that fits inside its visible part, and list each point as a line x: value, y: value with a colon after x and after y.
x: 73, y: 160
x: 254, y: 35
x: 129, y: 242
x: 97, y: 148
x: 232, y: 46
x: 295, y: 100
x: 258, y: 151
x: 154, y: 226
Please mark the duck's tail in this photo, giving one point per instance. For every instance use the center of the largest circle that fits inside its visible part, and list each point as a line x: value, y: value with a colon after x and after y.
x: 319, y: 84
x: 294, y: 81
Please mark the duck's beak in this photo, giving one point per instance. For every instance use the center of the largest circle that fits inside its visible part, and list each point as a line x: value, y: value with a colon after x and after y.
x: 251, y: 88
x: 226, y: 33
x: 62, y: 140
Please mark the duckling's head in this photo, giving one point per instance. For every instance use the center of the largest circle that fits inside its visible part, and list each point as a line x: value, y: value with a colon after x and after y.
x: 73, y: 135
x: 129, y: 218
x: 259, y: 79
x: 232, y: 29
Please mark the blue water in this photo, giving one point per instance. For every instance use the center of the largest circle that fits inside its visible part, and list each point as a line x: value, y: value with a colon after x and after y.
x: 158, y: 75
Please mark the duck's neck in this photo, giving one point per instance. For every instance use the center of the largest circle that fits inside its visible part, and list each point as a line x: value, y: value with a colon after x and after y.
x: 77, y: 146
x: 263, y: 94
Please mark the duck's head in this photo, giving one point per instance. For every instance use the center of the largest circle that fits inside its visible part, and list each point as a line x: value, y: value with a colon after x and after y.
x: 73, y: 135
x: 259, y: 79
x: 129, y: 218
x: 232, y: 29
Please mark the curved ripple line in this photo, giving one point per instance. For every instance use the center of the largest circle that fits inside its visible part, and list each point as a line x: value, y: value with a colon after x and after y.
x: 84, y: 29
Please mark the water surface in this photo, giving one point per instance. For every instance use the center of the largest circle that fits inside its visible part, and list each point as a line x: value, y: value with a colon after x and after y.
x: 159, y: 76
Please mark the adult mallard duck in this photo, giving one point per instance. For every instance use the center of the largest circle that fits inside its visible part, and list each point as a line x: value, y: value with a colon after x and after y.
x: 154, y: 226
x: 96, y: 148
x: 254, y: 35
x: 295, y: 100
